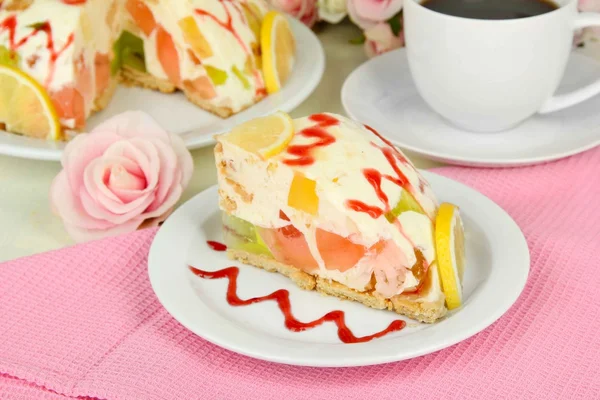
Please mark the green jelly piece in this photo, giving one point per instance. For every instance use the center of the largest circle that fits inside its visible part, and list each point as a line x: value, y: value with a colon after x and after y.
x: 129, y: 50
x: 133, y: 60
x: 255, y: 248
x: 8, y: 57
x: 239, y: 226
x: 216, y: 75
x: 246, y: 236
x: 240, y: 75
x: 407, y: 203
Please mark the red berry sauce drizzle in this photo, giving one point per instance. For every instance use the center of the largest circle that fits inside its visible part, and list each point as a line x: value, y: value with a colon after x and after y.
x: 282, y: 298
x: 228, y: 26
x: 303, y: 152
x: 10, y: 24
x: 216, y: 246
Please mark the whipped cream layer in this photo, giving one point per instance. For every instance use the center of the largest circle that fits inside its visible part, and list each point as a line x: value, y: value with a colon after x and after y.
x: 359, y: 179
x: 229, y: 44
x: 57, y: 43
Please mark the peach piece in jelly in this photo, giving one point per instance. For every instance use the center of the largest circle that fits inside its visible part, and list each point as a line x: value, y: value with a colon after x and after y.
x: 142, y: 15
x: 84, y: 81
x: 102, y: 73
x: 167, y: 55
x: 201, y: 86
x: 69, y: 104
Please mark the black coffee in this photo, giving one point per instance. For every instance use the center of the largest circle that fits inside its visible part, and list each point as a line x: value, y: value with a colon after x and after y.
x: 491, y: 9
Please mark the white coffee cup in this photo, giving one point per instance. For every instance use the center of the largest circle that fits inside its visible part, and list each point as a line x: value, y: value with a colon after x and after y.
x: 490, y: 75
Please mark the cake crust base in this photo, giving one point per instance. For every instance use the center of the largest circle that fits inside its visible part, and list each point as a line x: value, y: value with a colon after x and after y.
x: 407, y: 305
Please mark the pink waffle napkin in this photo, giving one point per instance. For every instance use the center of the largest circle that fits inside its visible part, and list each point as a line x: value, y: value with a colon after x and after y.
x: 84, y: 321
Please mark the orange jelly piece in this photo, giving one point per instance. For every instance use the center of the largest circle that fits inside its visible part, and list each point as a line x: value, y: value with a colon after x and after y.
x: 303, y: 194
x: 194, y: 37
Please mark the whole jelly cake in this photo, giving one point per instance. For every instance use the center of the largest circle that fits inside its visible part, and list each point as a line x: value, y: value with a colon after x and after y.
x: 334, y: 206
x: 224, y: 55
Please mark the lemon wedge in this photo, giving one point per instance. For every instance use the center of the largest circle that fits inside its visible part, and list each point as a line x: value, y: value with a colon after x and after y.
x: 450, y: 246
x: 265, y: 136
x: 25, y: 107
x: 278, y: 50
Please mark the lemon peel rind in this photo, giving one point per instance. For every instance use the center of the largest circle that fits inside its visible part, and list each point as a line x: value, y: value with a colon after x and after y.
x: 444, y: 226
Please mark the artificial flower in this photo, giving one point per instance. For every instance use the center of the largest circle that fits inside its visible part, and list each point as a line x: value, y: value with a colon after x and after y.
x: 332, y: 11
x: 380, y: 38
x: 305, y: 10
x: 588, y: 6
x: 368, y: 13
x: 126, y: 172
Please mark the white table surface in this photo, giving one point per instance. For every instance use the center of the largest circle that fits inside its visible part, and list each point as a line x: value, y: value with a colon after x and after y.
x: 27, y: 225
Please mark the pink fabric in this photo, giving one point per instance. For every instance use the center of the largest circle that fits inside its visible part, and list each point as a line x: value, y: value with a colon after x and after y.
x: 84, y: 321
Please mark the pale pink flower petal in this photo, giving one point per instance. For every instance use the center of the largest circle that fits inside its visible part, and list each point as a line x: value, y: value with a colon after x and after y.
x: 106, y: 204
x: 80, y: 151
x: 304, y: 10
x: 69, y: 207
x: 380, y: 39
x: 589, y: 5
x: 367, y: 13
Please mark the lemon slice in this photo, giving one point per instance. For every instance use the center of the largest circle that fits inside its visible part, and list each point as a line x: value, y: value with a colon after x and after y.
x: 278, y: 50
x: 25, y: 107
x: 266, y: 136
x: 450, y: 246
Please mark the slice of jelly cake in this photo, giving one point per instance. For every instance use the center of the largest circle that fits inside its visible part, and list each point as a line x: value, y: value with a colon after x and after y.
x: 66, y: 46
x: 209, y: 49
x: 337, y: 208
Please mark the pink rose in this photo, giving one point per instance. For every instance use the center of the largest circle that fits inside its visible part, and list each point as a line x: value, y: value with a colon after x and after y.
x: 380, y: 39
x: 305, y: 10
x: 125, y: 172
x: 588, y: 6
x: 367, y: 13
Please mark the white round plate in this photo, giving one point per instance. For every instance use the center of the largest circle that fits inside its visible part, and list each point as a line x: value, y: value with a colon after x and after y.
x: 176, y: 114
x: 494, y: 278
x: 381, y: 93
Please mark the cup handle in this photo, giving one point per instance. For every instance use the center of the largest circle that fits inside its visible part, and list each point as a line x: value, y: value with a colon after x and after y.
x: 556, y: 103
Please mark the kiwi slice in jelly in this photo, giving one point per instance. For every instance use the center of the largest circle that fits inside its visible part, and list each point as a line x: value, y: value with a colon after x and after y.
x: 129, y: 50
x: 8, y: 57
x: 245, y: 236
x: 407, y: 202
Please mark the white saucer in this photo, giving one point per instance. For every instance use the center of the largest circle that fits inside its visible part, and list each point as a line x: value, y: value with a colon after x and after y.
x: 494, y: 279
x: 381, y: 93
x: 176, y: 114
